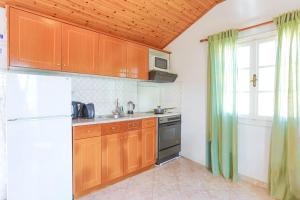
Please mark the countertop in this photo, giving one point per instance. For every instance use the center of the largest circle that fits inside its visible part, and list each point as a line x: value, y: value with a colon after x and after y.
x: 103, y: 120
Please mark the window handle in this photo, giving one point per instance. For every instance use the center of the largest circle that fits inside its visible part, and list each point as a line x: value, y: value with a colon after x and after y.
x: 254, y: 80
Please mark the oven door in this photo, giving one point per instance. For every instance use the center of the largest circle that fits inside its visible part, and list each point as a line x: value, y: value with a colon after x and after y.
x: 169, y: 135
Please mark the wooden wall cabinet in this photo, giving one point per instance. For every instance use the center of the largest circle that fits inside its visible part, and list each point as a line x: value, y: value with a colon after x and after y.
x: 137, y: 62
x: 79, y: 50
x: 42, y: 43
x: 113, y: 57
x: 112, y: 157
x: 34, y: 41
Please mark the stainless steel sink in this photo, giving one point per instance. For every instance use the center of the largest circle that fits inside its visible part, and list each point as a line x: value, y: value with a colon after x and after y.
x: 112, y: 116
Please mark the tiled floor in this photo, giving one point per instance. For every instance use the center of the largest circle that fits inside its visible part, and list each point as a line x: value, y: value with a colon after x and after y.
x: 180, y: 179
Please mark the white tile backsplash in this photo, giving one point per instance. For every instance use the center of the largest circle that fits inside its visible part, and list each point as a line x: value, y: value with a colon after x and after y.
x: 103, y: 92
x: 166, y: 95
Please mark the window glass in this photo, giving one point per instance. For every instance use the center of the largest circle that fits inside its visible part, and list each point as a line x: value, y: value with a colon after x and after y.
x: 256, y: 57
x: 266, y: 104
x: 267, y: 53
x: 266, y: 78
x: 243, y: 103
x: 243, y: 57
x: 243, y: 83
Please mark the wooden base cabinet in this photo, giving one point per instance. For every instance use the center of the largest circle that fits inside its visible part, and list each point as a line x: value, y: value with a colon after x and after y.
x: 132, y: 151
x: 106, y: 153
x: 87, y: 164
x: 149, y: 146
x: 112, y: 157
x: 149, y: 142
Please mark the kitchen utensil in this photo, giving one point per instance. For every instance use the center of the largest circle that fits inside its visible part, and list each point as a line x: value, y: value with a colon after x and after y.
x: 159, y: 110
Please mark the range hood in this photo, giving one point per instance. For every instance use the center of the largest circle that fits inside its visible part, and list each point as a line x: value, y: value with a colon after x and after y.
x: 161, y: 77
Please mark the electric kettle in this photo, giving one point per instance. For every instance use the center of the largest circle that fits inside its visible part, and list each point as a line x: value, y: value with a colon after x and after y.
x: 130, y: 107
x: 76, y: 109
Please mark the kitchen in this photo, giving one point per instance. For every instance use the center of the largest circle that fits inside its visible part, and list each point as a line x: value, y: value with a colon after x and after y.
x: 115, y: 121
x: 115, y: 100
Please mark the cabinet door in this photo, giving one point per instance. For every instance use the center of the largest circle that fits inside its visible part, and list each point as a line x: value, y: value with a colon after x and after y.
x: 137, y: 61
x: 34, y: 41
x: 112, y: 157
x: 80, y: 50
x: 148, y: 146
x: 114, y: 57
x: 86, y: 164
x: 132, y: 151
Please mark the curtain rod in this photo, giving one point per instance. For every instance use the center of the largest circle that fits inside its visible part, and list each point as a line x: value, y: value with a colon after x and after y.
x: 246, y: 28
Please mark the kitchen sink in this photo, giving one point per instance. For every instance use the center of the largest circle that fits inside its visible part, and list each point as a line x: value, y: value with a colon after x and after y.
x: 112, y: 116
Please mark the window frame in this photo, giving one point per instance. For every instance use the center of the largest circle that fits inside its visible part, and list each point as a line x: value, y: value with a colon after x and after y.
x: 253, y: 41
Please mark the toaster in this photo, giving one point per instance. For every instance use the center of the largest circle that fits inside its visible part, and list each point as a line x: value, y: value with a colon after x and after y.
x: 88, y: 111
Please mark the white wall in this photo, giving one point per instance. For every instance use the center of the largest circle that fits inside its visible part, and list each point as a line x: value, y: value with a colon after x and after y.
x: 3, y: 62
x: 189, y: 60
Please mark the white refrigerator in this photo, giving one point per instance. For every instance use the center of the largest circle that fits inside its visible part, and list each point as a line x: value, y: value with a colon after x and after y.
x: 39, y: 137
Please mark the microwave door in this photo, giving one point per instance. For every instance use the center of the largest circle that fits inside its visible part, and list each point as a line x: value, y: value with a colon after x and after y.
x: 161, y: 63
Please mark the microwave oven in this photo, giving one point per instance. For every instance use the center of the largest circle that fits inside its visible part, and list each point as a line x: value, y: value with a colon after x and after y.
x: 159, y: 61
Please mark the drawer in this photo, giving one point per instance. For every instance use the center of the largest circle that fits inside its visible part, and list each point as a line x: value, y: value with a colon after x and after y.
x: 147, y: 123
x: 112, y: 128
x: 86, y: 131
x: 134, y: 125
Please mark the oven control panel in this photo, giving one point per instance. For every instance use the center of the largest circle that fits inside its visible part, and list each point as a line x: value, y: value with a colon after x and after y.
x: 168, y: 119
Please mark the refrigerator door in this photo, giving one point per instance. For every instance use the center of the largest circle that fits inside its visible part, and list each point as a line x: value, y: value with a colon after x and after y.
x: 35, y: 96
x: 40, y: 159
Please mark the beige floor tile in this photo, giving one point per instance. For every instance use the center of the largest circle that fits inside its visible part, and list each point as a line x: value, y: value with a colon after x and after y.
x: 179, y: 179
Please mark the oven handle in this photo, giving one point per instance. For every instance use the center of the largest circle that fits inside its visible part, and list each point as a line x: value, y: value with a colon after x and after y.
x: 169, y: 124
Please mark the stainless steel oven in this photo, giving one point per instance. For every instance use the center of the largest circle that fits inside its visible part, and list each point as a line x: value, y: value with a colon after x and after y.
x: 169, y: 138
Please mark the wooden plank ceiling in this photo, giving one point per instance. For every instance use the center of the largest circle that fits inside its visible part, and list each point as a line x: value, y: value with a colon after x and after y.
x: 152, y: 22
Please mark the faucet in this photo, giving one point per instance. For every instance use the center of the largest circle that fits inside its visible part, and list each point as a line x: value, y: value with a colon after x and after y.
x: 118, y: 110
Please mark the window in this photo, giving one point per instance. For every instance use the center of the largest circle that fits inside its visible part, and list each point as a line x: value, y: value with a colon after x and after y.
x: 256, y: 75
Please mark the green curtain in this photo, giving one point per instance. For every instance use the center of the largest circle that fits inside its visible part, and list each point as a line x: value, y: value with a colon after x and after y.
x: 222, y: 115
x: 284, y: 172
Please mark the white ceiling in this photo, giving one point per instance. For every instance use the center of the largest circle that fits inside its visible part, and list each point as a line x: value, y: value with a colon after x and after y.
x: 251, y: 9
x: 238, y: 14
